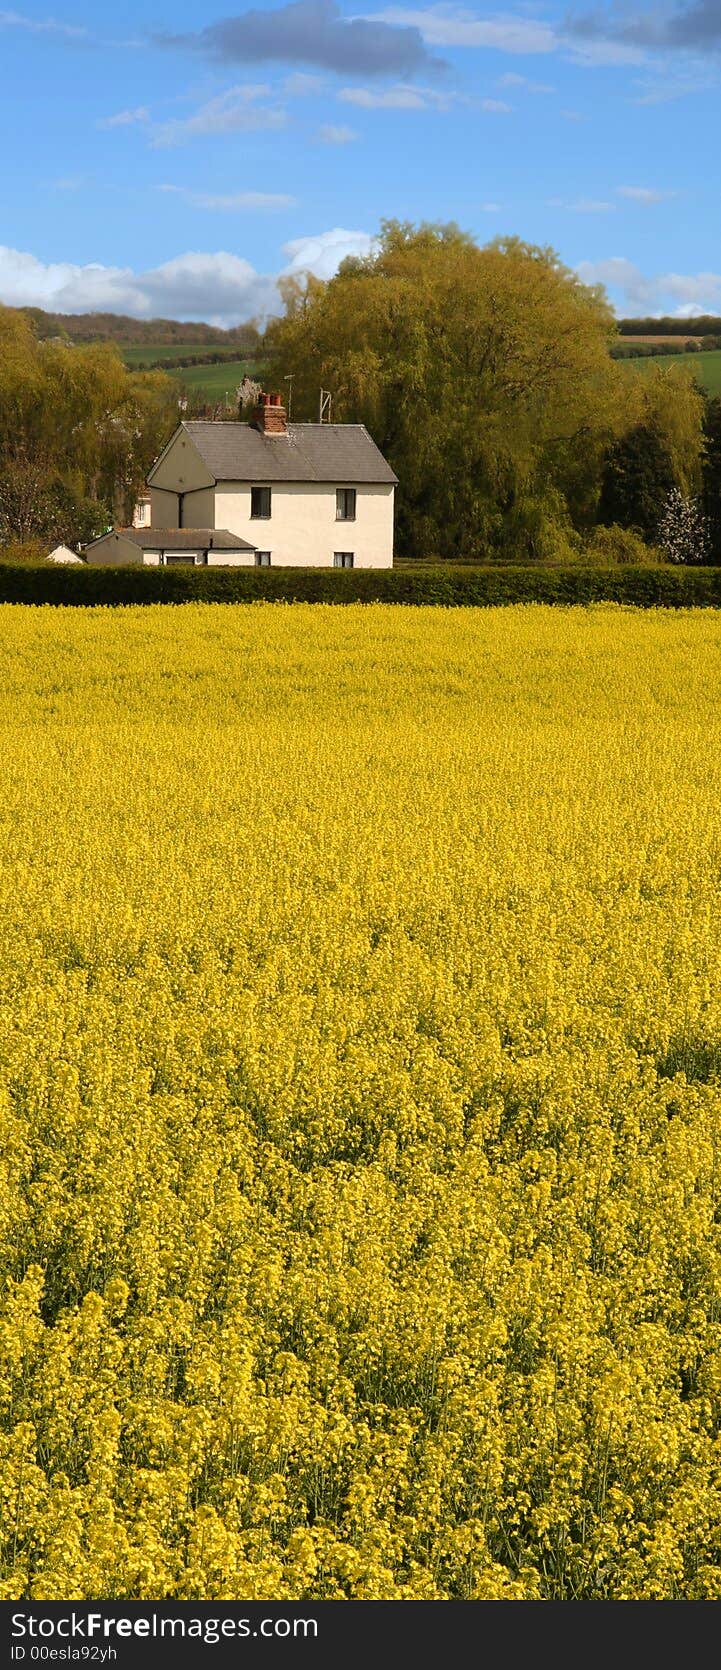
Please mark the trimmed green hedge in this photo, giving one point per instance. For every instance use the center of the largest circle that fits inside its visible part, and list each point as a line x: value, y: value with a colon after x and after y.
x: 453, y: 587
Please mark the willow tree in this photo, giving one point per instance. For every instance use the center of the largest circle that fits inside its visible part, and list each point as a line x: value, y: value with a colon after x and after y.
x: 482, y: 373
x: 78, y: 432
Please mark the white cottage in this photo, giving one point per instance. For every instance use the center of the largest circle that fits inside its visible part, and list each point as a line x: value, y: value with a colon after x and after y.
x: 293, y: 494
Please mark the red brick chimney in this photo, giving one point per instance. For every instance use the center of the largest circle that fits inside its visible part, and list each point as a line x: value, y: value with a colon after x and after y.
x: 269, y: 415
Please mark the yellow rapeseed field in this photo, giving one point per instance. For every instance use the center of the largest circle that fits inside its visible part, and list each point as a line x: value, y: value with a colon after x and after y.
x: 360, y: 1089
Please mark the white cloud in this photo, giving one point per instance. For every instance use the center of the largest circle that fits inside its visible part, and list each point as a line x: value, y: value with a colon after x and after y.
x: 582, y: 205
x: 491, y: 208
x: 513, y: 80
x: 232, y: 201
x: 217, y: 287
x: 496, y: 107
x: 448, y: 25
x: 644, y: 194
x: 635, y: 292
x: 323, y: 253
x: 600, y: 54
x: 235, y: 111
x: 125, y: 118
x: 41, y: 26
x: 302, y: 86
x: 336, y: 134
x: 396, y: 98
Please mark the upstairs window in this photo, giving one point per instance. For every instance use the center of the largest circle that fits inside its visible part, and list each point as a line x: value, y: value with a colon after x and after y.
x: 342, y: 559
x: 260, y: 504
x: 262, y: 559
x: 345, y: 504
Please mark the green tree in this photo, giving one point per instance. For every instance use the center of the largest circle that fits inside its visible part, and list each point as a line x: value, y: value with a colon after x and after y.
x: 637, y: 479
x: 78, y: 433
x: 711, y: 471
x: 482, y: 373
x: 669, y: 399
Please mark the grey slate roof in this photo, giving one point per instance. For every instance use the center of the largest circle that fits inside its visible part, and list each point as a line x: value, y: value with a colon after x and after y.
x: 342, y: 453
x: 180, y: 539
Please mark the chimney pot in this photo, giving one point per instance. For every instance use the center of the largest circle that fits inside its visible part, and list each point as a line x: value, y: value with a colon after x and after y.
x: 269, y: 415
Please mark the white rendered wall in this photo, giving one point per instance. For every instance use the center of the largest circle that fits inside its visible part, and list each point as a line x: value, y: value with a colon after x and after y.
x: 302, y: 531
x: 231, y: 559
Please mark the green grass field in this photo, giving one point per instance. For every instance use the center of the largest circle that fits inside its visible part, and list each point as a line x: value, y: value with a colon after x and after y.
x: 214, y: 381
x: 139, y: 355
x: 705, y: 366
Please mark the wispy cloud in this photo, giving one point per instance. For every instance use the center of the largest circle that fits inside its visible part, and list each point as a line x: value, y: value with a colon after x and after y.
x: 42, y: 26
x: 524, y: 84
x: 685, y: 293
x: 495, y: 107
x: 449, y: 25
x: 300, y: 85
x: 125, y: 118
x: 400, y: 97
x: 311, y: 32
x: 645, y: 195
x: 664, y: 84
x: 332, y: 133
x: 582, y: 205
x: 237, y: 110
x: 232, y: 202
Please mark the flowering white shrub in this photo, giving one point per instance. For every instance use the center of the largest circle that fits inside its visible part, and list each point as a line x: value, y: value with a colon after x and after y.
x: 683, y: 530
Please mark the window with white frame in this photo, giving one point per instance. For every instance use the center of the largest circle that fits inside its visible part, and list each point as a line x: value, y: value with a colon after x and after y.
x: 342, y: 559
x: 262, y: 559
x: 345, y: 504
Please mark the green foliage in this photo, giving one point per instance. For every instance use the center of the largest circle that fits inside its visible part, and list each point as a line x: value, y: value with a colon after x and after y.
x: 712, y: 475
x: 483, y: 375
x: 451, y: 585
x: 638, y: 477
x: 78, y: 433
x: 615, y: 544
x: 145, y: 334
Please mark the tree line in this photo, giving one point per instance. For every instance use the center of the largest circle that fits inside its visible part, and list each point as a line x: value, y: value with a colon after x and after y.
x: 78, y: 433
x: 119, y: 327
x: 483, y: 374
x: 702, y: 324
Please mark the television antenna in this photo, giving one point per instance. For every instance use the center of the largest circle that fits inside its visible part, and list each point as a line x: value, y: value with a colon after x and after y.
x: 289, y: 381
x: 324, y: 408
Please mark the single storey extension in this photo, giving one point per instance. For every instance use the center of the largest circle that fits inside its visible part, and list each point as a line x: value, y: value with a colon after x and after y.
x: 63, y: 554
x: 169, y: 548
x: 293, y: 494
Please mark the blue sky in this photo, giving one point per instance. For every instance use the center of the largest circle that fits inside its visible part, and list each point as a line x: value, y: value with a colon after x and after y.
x: 176, y: 158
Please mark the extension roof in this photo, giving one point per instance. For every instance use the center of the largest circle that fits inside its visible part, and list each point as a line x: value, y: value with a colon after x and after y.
x: 327, y: 452
x: 180, y: 539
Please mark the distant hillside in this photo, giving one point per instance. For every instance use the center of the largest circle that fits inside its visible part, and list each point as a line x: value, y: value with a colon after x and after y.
x: 117, y: 327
